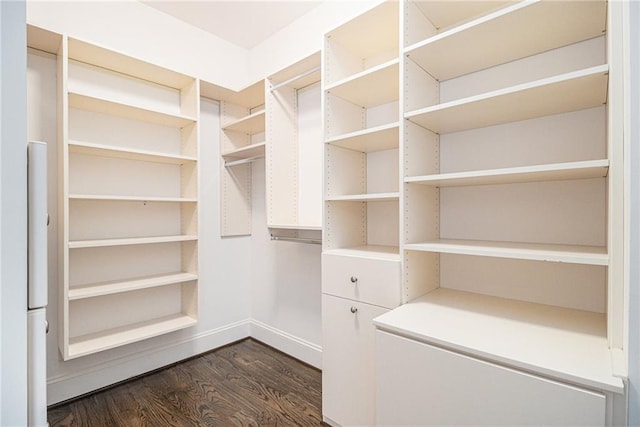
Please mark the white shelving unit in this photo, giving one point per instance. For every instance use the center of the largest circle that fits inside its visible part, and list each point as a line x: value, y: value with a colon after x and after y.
x: 511, y: 204
x: 294, y: 150
x: 360, y: 258
x: 242, y: 141
x: 128, y: 153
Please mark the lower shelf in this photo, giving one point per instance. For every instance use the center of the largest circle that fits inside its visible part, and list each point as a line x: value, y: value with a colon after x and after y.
x: 562, y: 343
x: 105, y: 288
x: 104, y: 340
x: 369, y: 251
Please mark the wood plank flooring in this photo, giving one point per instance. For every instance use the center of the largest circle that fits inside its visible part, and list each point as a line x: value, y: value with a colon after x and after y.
x: 243, y: 384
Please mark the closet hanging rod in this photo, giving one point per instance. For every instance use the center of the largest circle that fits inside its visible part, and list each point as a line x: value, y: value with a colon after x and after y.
x: 298, y: 77
x: 242, y: 161
x: 297, y: 239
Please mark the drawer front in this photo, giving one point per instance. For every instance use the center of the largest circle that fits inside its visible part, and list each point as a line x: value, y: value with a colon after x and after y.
x: 418, y: 384
x: 348, y: 367
x: 372, y: 281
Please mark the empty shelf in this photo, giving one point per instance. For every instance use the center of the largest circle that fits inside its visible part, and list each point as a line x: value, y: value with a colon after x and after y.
x: 379, y: 138
x: 373, y: 197
x: 115, y: 198
x: 559, y: 94
x: 375, y: 86
x: 391, y: 253
x: 79, y: 244
x: 591, y: 255
x: 253, y: 123
x: 127, y: 153
x: 105, y: 106
x: 551, y: 172
x: 116, y: 286
x: 104, y: 340
x: 253, y: 150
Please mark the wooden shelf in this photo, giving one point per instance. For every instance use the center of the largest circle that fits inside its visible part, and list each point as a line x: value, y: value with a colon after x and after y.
x: 567, y: 92
x: 379, y: 138
x: 567, y: 344
x: 564, y: 23
x: 371, y: 33
x: 551, y: 172
x: 590, y: 255
x: 106, y: 288
x: 369, y: 251
x: 93, y: 343
x: 251, y: 124
x: 109, y: 59
x: 253, y: 150
x: 374, y: 86
x: 105, y: 106
x: 128, y: 153
x: 79, y: 244
x: 107, y: 197
x: 374, y: 197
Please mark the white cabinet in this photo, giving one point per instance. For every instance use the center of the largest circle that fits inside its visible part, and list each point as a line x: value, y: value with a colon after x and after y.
x: 429, y: 386
x: 128, y: 153
x: 348, y: 380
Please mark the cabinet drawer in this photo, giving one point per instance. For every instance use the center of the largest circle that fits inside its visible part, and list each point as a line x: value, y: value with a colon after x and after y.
x: 418, y: 384
x: 373, y: 281
x: 348, y: 350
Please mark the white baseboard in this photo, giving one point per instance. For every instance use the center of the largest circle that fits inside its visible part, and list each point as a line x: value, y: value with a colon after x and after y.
x: 68, y: 386
x: 296, y: 347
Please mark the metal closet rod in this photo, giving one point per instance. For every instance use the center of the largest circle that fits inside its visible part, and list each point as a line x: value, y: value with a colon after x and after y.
x: 298, y: 77
x: 308, y: 240
x: 242, y: 161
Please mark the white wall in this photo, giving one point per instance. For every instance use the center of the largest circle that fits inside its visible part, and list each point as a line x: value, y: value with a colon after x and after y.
x: 13, y: 216
x: 137, y: 30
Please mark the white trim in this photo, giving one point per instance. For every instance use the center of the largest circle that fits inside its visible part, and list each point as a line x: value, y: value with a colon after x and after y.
x: 294, y: 346
x: 68, y: 386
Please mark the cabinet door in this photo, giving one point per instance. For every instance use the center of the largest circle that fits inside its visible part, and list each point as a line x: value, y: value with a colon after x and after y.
x: 418, y: 384
x: 348, y: 368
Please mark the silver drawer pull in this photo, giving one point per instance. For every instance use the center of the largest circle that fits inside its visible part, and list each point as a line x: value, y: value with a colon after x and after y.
x: 354, y: 279
x: 354, y: 310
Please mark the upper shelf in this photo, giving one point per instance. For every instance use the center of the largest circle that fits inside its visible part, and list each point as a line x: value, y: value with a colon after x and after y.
x: 92, y: 290
x: 370, y: 197
x: 105, y: 106
x: 560, y: 342
x: 79, y: 244
x: 374, y: 86
x: 251, y: 124
x: 444, y: 14
x: 574, y: 254
x: 373, y: 32
x: 532, y: 27
x: 559, y: 94
x: 113, y: 198
x: 250, y: 151
x: 551, y: 172
x: 379, y: 138
x: 299, y: 75
x: 127, y: 153
x: 107, y: 58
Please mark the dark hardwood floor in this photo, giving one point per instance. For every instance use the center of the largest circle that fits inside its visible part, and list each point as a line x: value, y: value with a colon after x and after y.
x: 243, y: 384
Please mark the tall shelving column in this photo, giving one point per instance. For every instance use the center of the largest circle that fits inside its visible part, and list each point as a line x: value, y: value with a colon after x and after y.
x: 242, y: 141
x: 294, y: 150
x: 360, y: 259
x: 128, y: 188
x: 511, y: 183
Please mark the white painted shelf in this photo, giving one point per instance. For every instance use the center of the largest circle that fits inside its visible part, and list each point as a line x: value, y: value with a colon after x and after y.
x: 590, y: 255
x: 106, y: 288
x: 106, y: 106
x: 567, y: 92
x: 295, y: 227
x: 251, y: 124
x: 438, y: 55
x: 117, y: 198
x: 551, y: 172
x: 564, y: 343
x: 373, y: 197
x: 92, y: 343
x: 391, y: 253
x: 379, y: 138
x: 79, y: 244
x: 253, y: 150
x: 375, y: 86
x: 127, y: 153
